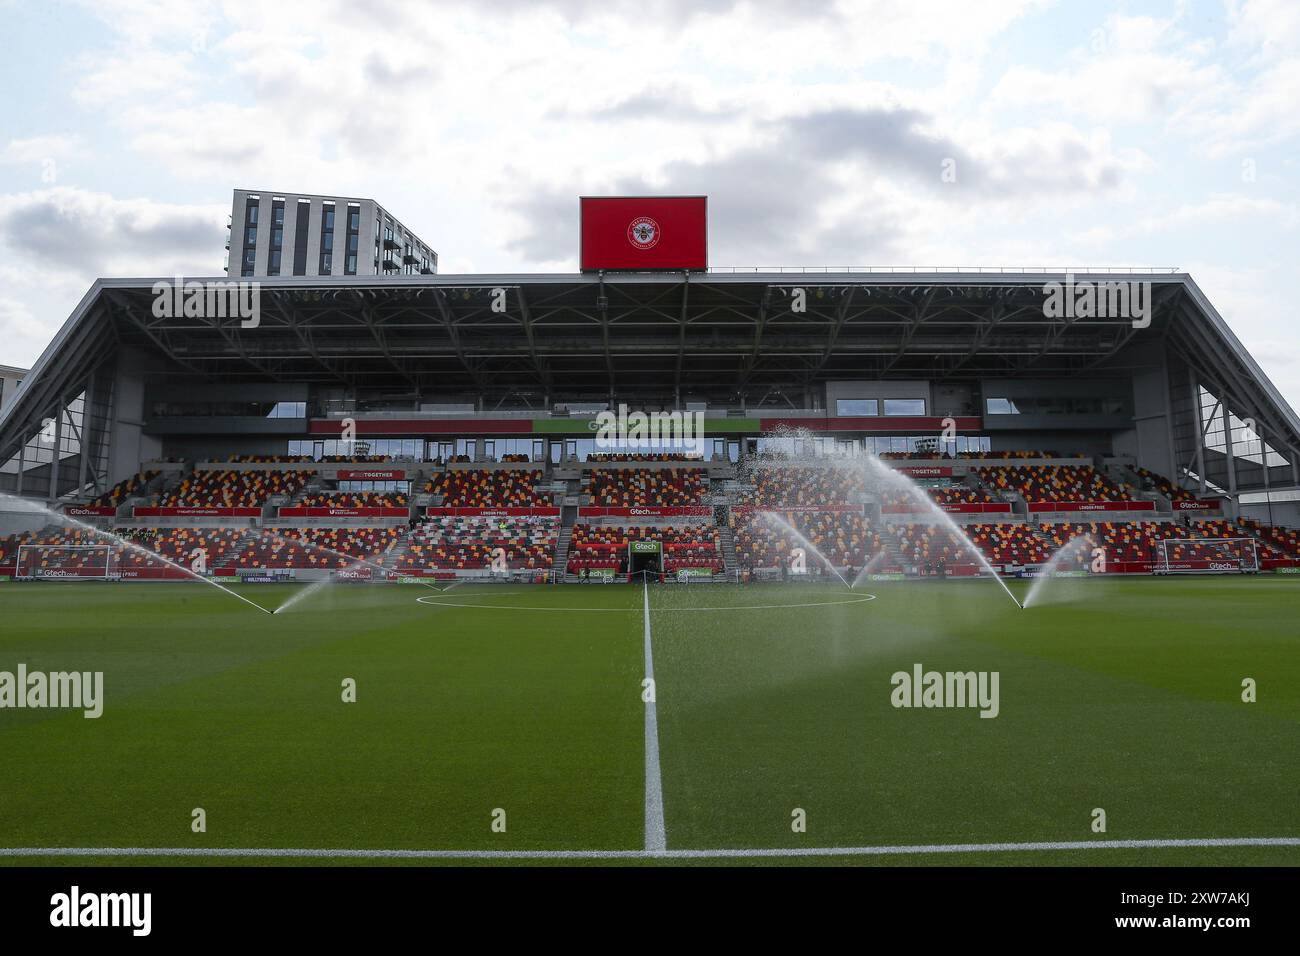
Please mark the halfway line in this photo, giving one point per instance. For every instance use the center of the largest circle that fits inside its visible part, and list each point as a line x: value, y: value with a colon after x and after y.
x: 656, y: 836
x: 765, y: 852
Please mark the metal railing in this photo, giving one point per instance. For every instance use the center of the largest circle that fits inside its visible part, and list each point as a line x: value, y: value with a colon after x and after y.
x: 939, y: 270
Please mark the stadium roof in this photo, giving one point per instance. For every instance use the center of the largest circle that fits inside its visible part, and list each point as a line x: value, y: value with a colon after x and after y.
x: 715, y: 336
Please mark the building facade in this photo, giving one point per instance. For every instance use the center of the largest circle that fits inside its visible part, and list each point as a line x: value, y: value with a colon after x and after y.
x: 295, y: 234
x: 10, y: 379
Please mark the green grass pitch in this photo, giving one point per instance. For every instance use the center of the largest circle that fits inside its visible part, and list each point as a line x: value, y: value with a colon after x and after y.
x: 1124, y: 695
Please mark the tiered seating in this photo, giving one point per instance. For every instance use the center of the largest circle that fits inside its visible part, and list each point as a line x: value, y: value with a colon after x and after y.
x: 803, y: 487
x: 175, y: 544
x: 960, y: 494
x: 488, y: 489
x: 1284, y: 540
x: 1055, y: 483
x: 642, y: 456
x: 987, y: 455
x: 314, y: 548
x: 1009, y: 543
x: 294, y: 459
x: 1123, y: 540
x: 1140, y: 540
x: 844, y: 538
x: 1166, y: 487
x: 930, y: 545
x: 940, y: 494
x: 74, y: 562
x: 467, y: 543
x: 1219, y: 528
x: 356, y: 499
x: 233, y: 489
x: 647, y: 487
x: 123, y: 490
x: 178, y: 544
x: 605, y: 546
x: 268, y: 459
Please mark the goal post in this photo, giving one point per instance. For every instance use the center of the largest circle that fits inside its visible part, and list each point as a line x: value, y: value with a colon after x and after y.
x: 1207, y: 556
x: 65, y: 562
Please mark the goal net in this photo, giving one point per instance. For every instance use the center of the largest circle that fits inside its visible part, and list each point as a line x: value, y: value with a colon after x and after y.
x: 1207, y: 556
x: 65, y: 562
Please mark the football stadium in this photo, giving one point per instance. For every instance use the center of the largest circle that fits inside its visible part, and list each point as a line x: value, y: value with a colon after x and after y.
x: 649, y: 562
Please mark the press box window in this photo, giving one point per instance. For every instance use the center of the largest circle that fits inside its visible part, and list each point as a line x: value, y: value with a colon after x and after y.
x: 869, y: 407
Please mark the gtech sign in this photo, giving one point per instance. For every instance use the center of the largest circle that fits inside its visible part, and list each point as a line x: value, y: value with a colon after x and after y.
x: 640, y: 233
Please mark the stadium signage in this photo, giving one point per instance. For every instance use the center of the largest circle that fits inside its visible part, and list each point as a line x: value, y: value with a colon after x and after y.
x: 256, y: 575
x: 299, y: 512
x: 643, y: 233
x: 686, y: 511
x: 1200, y: 504
x: 924, y: 471
x: 951, y: 689
x: 990, y: 507
x: 1092, y: 506
x: 354, y: 574
x: 431, y: 511
x: 57, y: 690
x: 645, y: 547
x: 907, y: 424
x: 212, y: 512
x: 684, y: 573
x: 84, y: 511
x: 391, y: 474
x: 798, y: 509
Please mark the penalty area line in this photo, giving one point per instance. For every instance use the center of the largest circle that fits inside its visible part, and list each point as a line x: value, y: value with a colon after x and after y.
x: 715, y: 854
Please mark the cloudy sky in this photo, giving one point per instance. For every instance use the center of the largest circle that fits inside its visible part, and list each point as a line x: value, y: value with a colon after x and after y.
x: 1158, y: 134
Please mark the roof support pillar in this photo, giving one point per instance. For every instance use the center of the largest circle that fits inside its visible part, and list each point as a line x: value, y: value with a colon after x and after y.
x: 58, y: 449
x: 1227, y: 447
x: 22, y: 461
x: 1200, y: 433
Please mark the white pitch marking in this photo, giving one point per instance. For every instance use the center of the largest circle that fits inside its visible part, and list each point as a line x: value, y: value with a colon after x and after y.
x: 764, y: 852
x: 656, y: 836
x: 659, y: 610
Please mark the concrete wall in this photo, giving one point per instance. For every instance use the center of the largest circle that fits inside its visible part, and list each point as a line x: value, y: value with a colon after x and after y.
x: 129, y: 445
x: 9, y: 379
x: 1283, y: 513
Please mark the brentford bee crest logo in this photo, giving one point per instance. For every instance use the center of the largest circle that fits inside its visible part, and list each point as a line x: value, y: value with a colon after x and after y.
x: 643, y: 233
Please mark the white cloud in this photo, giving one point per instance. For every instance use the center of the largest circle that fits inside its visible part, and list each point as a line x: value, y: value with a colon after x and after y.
x: 93, y: 234
x: 819, y: 137
x: 35, y: 150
